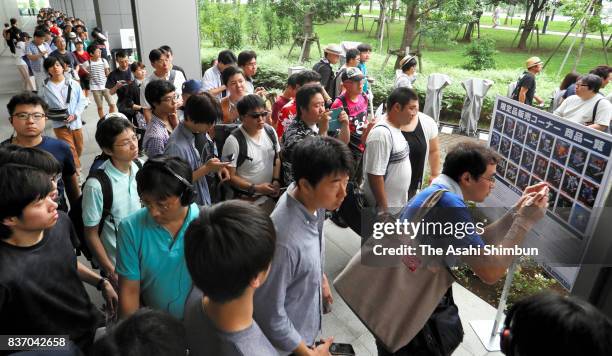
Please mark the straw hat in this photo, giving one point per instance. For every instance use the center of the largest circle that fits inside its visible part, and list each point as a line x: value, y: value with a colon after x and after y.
x: 533, y: 61
x: 333, y: 48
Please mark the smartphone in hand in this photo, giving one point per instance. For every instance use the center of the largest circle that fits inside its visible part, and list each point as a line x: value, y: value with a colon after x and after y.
x: 334, y: 122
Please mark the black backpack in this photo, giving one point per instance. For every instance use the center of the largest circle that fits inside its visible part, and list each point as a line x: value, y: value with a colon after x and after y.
x: 76, y: 210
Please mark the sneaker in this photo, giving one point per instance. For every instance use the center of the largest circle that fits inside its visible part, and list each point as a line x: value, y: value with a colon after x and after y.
x: 338, y: 220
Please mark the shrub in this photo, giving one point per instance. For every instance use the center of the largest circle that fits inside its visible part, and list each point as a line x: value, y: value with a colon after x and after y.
x: 480, y: 54
x: 231, y: 32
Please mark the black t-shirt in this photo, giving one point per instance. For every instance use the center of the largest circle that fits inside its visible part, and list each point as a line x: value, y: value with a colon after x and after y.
x: 527, y: 80
x: 40, y: 290
x: 117, y: 75
x: 418, y: 149
x: 61, y: 151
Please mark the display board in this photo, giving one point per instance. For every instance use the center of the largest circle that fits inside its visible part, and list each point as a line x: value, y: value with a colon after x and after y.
x: 573, y: 159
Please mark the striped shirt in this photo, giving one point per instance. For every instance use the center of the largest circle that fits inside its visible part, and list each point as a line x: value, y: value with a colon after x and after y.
x: 97, y: 75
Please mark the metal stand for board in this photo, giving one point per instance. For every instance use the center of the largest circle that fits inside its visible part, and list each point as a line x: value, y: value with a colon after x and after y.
x: 488, y: 331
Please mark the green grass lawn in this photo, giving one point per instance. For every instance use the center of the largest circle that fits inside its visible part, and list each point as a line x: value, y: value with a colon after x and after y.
x: 451, y: 53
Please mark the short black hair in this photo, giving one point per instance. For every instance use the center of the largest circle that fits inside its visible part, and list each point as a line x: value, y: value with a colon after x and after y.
x: 155, y: 180
x: 166, y: 48
x: 248, y: 103
x: 230, y: 72
x: 25, y: 98
x: 401, y: 96
x: 364, y: 47
x: 30, y: 156
x: 39, y: 33
x: 155, y: 55
x: 316, y: 157
x: 602, y: 71
x: 592, y: 81
x: 13, y: 20
x: 91, y: 49
x: 146, y: 332
x: 552, y: 324
x: 292, y: 80
x: 226, y: 57
x: 304, y: 95
x: 136, y: 65
x: 121, y: 54
x: 50, y: 62
x: 245, y: 57
x: 227, y: 246
x: 21, y: 185
x: 352, y: 54
x: 468, y: 157
x: 108, y: 130
x: 203, y: 109
x: 156, y: 89
x: 307, y: 76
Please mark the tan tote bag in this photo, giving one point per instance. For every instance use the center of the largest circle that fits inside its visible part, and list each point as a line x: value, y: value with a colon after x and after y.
x: 393, y: 301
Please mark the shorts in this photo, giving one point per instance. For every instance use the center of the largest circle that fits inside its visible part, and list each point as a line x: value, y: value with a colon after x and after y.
x: 99, y: 94
x: 85, y: 83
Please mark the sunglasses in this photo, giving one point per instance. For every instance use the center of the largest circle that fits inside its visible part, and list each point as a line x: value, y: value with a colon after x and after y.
x: 257, y: 115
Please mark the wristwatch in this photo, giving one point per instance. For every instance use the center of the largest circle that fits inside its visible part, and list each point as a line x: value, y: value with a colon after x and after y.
x: 251, y: 189
x: 100, y: 283
x: 275, y: 180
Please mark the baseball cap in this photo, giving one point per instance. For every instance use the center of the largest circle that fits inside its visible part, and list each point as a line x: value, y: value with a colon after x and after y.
x: 352, y: 73
x: 533, y: 61
x: 192, y: 86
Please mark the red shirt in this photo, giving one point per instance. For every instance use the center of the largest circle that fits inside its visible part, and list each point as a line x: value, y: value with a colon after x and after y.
x: 276, y: 108
x: 287, y: 114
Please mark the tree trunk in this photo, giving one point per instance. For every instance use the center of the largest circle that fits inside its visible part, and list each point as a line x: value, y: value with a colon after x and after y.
x: 467, y: 36
x: 381, y: 17
x: 307, y: 29
x: 410, y: 27
x: 371, y: 3
x: 356, y: 23
x: 536, y: 7
x: 592, y: 11
x: 393, y: 10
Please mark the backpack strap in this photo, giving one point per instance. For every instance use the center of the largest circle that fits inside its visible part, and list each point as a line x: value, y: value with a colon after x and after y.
x: 107, y: 197
x: 344, y: 103
x: 272, y: 135
x: 242, y: 147
x: 595, y: 109
x: 390, y: 153
x: 138, y: 163
x: 172, y: 76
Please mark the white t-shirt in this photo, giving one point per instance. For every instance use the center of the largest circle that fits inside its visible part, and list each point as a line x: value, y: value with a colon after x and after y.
x: 261, y: 168
x: 59, y: 90
x: 386, y: 154
x: 581, y: 111
x: 97, y: 73
x: 179, y: 79
x: 212, y: 80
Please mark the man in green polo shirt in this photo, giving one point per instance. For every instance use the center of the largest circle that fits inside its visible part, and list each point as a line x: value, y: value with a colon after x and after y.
x: 150, y: 257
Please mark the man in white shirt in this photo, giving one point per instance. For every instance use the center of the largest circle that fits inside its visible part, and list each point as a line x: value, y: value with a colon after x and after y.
x: 211, y: 82
x: 386, y: 165
x: 588, y: 106
x: 256, y: 175
x: 163, y: 71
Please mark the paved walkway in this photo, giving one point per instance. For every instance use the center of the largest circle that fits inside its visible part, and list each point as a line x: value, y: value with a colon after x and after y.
x: 341, y: 243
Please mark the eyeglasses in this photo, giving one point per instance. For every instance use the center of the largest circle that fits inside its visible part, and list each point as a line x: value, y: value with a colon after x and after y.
x: 56, y: 178
x: 23, y: 116
x: 155, y: 205
x: 126, y: 143
x: 174, y: 97
x: 257, y: 115
x: 491, y: 179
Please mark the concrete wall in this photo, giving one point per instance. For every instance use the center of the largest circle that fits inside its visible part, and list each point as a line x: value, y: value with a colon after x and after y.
x: 115, y: 15
x: 174, y: 24
x: 8, y: 9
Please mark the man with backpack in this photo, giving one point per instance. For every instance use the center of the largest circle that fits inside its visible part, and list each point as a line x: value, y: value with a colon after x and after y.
x: 201, y: 112
x: 254, y: 152
x: 588, y: 106
x: 324, y: 66
x: 109, y: 193
x: 162, y: 71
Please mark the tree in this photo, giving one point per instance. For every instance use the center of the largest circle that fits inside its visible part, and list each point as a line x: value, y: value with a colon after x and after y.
x: 534, y: 7
x: 423, y: 16
x: 309, y: 13
x: 587, y: 13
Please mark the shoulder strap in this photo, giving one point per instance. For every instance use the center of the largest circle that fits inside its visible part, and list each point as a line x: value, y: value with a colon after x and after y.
x: 595, y: 109
x: 107, y: 197
x: 242, y: 147
x: 172, y: 76
x: 271, y: 134
x: 69, y: 90
x: 344, y: 103
x: 138, y: 163
x: 390, y: 153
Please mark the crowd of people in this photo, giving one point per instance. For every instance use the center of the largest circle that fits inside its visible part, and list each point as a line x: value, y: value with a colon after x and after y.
x: 202, y: 218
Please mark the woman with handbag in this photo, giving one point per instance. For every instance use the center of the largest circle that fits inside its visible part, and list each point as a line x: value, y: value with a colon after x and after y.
x: 66, y: 104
